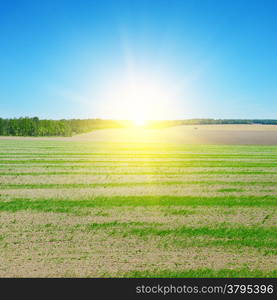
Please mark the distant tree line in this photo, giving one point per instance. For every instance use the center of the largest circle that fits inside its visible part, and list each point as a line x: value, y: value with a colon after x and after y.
x: 212, y: 122
x: 35, y: 127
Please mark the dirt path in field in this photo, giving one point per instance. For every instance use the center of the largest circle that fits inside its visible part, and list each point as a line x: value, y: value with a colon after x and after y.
x: 188, y: 134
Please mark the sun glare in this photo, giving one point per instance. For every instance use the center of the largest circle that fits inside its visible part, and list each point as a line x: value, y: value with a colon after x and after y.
x: 139, y: 122
x: 139, y: 98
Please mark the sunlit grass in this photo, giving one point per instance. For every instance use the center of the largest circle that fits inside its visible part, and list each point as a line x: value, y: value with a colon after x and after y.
x: 223, y: 215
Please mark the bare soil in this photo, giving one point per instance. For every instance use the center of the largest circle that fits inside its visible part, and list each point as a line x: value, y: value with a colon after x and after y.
x: 187, y: 134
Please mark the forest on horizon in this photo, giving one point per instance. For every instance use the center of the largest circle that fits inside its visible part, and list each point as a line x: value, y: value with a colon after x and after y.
x: 33, y: 126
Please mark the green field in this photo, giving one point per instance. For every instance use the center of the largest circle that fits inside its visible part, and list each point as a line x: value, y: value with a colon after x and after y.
x: 87, y: 209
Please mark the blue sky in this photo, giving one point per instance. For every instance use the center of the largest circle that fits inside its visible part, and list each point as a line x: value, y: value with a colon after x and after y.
x: 60, y: 59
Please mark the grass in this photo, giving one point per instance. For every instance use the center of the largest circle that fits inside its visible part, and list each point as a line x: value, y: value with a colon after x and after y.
x: 227, y: 229
x: 116, y: 164
x: 221, y: 232
x: 130, y: 184
x: 222, y: 235
x: 69, y: 206
x: 203, y: 273
x: 230, y: 190
x: 211, y: 172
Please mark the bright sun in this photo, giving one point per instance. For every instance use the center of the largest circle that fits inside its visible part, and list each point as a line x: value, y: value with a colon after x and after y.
x: 139, y: 98
x: 139, y: 122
